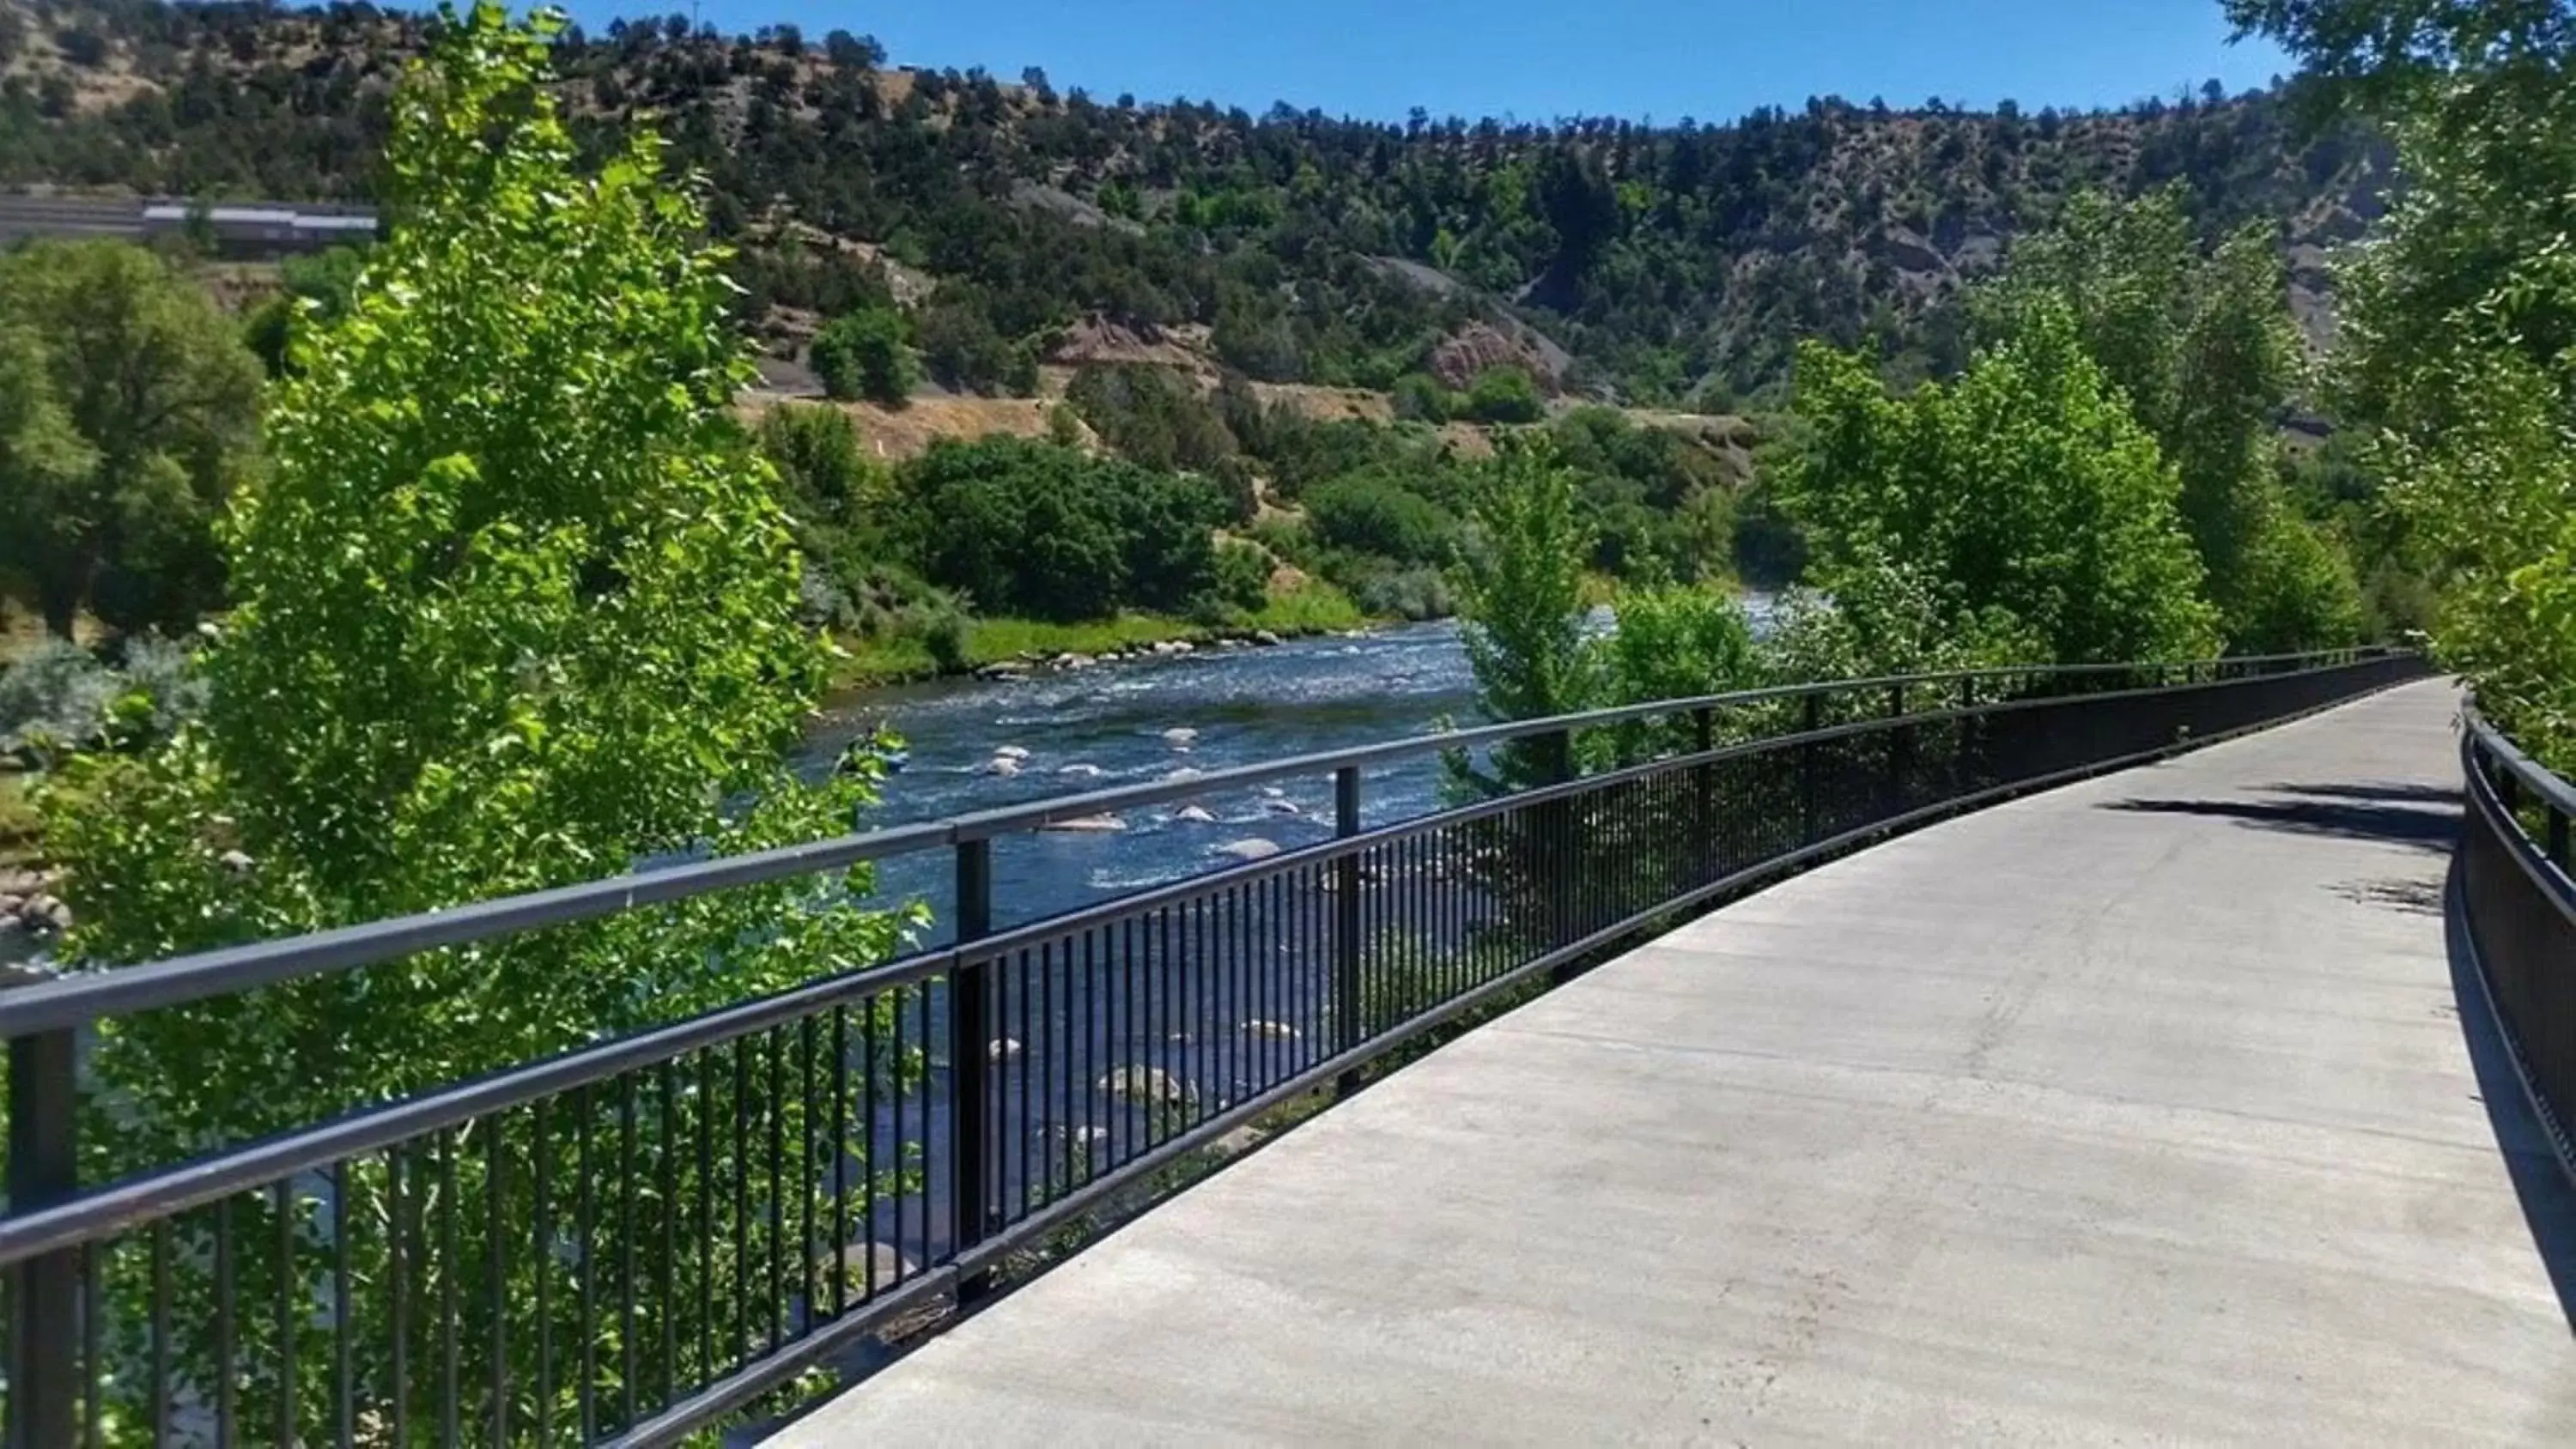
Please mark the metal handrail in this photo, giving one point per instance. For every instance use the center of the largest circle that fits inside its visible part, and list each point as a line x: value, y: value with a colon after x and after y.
x: 2545, y: 786
x: 111, y: 1207
x: 76, y: 1000
x: 991, y: 1182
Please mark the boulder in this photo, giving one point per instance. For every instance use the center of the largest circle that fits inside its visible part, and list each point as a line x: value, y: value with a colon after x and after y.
x: 1195, y: 815
x: 1010, y: 752
x: 1001, y: 765
x: 1253, y: 848
x: 1183, y: 772
x: 1081, y: 771
x: 1180, y: 735
x: 1264, y: 638
x: 1280, y: 807
x: 1270, y: 1030
x: 1150, y: 1085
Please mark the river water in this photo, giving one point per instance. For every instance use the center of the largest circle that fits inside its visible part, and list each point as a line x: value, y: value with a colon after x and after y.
x: 1109, y: 726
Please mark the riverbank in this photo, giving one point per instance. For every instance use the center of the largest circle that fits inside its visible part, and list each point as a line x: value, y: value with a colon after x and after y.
x: 1003, y: 644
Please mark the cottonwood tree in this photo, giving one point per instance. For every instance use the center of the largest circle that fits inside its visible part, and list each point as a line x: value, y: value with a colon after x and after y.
x: 515, y: 608
x: 128, y: 414
x: 2023, y: 496
x: 2458, y: 337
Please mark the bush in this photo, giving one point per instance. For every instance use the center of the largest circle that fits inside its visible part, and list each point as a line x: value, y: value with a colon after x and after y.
x: 61, y: 697
x: 1504, y: 395
x: 1421, y: 399
x: 1242, y: 577
x: 1414, y: 593
x: 1153, y: 417
x: 946, y: 630
x: 862, y: 354
x: 964, y: 351
x: 1372, y: 513
x: 55, y: 697
x: 1033, y: 529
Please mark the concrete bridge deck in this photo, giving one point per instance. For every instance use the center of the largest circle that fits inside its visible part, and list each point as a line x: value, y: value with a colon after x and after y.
x: 2150, y: 1109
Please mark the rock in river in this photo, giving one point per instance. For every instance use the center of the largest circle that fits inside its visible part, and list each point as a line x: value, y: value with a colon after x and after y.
x: 1148, y: 1084
x: 1252, y: 848
x: 1087, y: 825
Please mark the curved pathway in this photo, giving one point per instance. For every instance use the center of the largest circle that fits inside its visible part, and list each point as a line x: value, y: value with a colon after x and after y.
x: 2150, y: 1109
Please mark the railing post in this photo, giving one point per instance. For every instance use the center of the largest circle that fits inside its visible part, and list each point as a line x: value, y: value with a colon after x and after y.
x: 1703, y: 792
x: 2557, y: 837
x: 969, y: 1052
x: 1347, y: 1028
x: 1564, y: 851
x: 1809, y: 807
x: 1964, y: 740
x: 44, y: 1292
x: 1900, y: 750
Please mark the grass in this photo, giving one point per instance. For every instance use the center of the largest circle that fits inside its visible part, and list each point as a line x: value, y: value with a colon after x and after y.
x: 893, y: 659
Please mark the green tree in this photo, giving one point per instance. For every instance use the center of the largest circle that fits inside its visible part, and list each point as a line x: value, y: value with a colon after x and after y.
x: 863, y: 354
x: 515, y: 608
x: 1372, y: 512
x: 318, y: 289
x: 162, y: 399
x: 1032, y: 528
x: 493, y: 633
x: 1520, y: 590
x: 2024, y: 494
x: 2204, y: 349
x: 2458, y: 339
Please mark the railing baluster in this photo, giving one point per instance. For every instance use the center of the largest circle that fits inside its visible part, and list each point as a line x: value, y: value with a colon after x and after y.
x: 967, y: 1050
x: 1346, y: 923
x: 44, y: 1375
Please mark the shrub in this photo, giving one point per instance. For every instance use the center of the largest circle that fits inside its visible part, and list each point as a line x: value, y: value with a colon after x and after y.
x: 862, y: 354
x: 1504, y: 395
x: 1153, y: 417
x: 1242, y: 577
x: 1373, y: 513
x: 1422, y: 399
x: 55, y: 697
x: 1414, y: 593
x: 1031, y: 528
x: 946, y: 629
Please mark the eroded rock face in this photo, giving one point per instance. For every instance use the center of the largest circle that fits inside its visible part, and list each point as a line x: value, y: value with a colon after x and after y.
x: 1477, y: 347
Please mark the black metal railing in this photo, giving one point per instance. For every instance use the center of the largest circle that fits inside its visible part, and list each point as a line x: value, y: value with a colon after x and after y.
x: 636, y: 1238
x: 2520, y: 908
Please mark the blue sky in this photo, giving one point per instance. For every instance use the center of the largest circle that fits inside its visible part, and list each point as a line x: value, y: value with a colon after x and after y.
x: 1538, y: 59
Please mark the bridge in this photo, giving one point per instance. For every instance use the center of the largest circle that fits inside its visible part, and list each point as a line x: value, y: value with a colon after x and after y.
x: 2149, y: 1108
x: 2047, y: 1054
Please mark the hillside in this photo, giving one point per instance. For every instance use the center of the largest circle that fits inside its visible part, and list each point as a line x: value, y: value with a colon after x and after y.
x: 1664, y: 266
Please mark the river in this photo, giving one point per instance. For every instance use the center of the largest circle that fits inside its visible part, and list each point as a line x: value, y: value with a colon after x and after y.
x: 1109, y: 725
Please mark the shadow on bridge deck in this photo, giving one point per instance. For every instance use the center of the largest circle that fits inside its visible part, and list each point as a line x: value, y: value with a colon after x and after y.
x: 2425, y: 816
